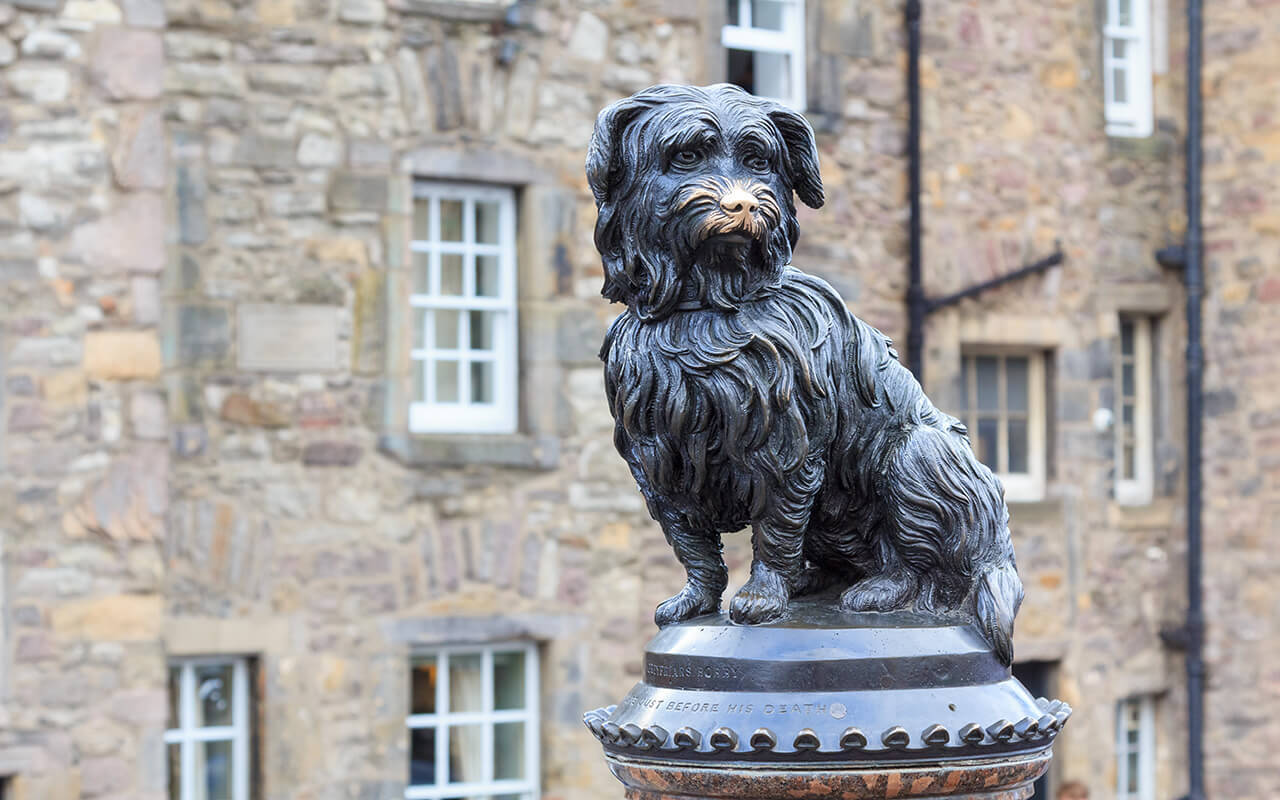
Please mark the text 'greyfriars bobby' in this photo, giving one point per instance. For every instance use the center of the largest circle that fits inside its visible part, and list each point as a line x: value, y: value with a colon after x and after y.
x: 745, y: 394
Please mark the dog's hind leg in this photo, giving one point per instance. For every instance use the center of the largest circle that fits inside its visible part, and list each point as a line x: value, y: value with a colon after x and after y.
x: 707, y: 576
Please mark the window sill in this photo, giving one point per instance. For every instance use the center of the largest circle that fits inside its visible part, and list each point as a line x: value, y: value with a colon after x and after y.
x: 514, y: 450
x: 1156, y: 515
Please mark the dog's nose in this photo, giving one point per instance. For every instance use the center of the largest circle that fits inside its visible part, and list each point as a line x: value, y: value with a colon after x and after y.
x: 739, y: 201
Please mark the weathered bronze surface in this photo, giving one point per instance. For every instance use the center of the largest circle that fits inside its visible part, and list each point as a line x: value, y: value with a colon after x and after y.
x: 746, y: 395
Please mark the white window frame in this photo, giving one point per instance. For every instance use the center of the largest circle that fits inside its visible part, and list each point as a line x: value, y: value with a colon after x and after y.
x: 1134, y: 116
x: 1145, y: 706
x: 1139, y: 489
x: 464, y: 416
x: 1026, y: 487
x: 530, y: 788
x: 789, y: 41
x: 187, y: 736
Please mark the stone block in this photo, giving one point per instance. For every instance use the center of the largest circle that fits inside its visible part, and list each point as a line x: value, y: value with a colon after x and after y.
x: 319, y: 150
x: 331, y: 454
x: 49, y: 43
x: 362, y: 12
x: 139, y: 157
x: 255, y: 150
x: 149, y: 416
x: 276, y: 336
x: 104, y: 12
x: 241, y: 409
x: 197, y: 334
x: 115, y: 618
x: 205, y: 79
x: 351, y: 191
x: 590, y: 38
x: 128, y: 64
x: 129, y: 238
x: 39, y: 83
x: 121, y: 355
x: 143, y: 13
x: 36, y: 5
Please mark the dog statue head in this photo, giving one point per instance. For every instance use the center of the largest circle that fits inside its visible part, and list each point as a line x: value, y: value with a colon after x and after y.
x: 694, y: 187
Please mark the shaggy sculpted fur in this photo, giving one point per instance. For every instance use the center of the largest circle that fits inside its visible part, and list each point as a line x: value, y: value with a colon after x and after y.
x: 745, y: 394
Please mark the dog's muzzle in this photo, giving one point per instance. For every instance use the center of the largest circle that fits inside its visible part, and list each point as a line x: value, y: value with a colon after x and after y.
x: 731, y: 207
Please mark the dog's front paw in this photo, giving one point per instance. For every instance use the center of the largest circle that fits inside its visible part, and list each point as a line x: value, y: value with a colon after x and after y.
x: 762, y: 599
x: 888, y: 592
x: 690, y: 602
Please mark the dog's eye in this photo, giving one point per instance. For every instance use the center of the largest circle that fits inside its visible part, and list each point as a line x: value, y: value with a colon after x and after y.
x: 685, y: 158
x: 758, y: 163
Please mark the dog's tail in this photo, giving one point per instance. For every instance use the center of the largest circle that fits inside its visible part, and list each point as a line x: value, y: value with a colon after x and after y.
x: 997, y: 597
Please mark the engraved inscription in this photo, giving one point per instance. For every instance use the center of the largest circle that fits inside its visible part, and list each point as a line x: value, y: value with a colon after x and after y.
x: 694, y: 670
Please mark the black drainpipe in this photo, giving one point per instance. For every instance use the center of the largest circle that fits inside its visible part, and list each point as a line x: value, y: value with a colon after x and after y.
x: 1195, y: 407
x: 916, y: 303
x: 1190, y: 257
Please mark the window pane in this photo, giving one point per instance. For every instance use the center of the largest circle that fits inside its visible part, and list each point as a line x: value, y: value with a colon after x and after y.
x: 508, y: 680
x: 482, y: 382
x: 1126, y: 379
x: 1119, y: 92
x: 422, y: 756
x: 213, y: 695
x: 466, y: 759
x: 1017, y: 376
x: 487, y: 223
x: 446, y: 327
x: 175, y: 694
x: 1124, y: 12
x: 1129, y: 471
x: 1018, y: 446
x: 487, y: 283
x: 1126, y: 414
x: 422, y: 220
x: 988, y: 383
x: 508, y: 751
x: 464, y: 683
x: 446, y: 382
x: 450, y: 220
x: 986, y: 442
x: 420, y: 327
x: 423, y: 685
x: 1119, y: 49
x: 766, y: 14
x: 772, y: 75
x: 732, y: 12
x: 1133, y: 771
x: 213, y: 765
x: 1126, y: 337
x: 740, y: 70
x: 175, y: 771
x: 482, y: 323
x: 451, y: 273
x: 421, y: 273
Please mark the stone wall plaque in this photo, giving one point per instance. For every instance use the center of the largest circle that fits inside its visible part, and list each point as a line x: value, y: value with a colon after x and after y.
x: 281, y: 337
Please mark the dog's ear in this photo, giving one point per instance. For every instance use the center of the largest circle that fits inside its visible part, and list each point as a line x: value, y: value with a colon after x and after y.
x: 603, y: 157
x: 802, y: 154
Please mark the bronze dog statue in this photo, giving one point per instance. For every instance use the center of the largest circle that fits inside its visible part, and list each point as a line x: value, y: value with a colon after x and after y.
x: 745, y: 393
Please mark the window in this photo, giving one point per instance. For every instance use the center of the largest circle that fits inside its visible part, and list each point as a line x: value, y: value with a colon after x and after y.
x: 765, y: 43
x: 1040, y: 679
x: 209, y: 729
x: 463, y: 310
x: 1136, y: 749
x: 1126, y: 67
x: 473, y: 726
x: 1134, y: 411
x: 1005, y: 412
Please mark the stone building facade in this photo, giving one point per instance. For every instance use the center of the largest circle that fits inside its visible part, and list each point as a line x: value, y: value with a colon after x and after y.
x: 207, y: 210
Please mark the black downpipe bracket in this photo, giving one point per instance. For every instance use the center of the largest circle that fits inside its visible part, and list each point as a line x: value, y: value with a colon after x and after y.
x: 920, y: 305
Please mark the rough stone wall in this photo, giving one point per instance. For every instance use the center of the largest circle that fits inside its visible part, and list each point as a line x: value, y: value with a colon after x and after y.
x: 83, y: 453
x: 1241, y: 433
x: 265, y: 167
